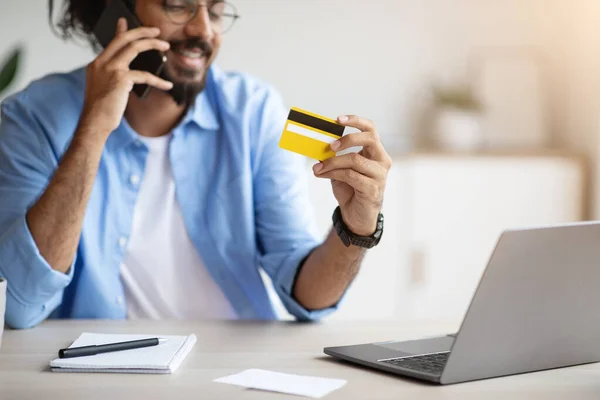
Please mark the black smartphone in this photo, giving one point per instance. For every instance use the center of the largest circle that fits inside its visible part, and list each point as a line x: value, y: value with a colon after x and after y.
x: 152, y: 61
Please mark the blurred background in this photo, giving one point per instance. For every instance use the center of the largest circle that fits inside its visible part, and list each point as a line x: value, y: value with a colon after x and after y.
x: 489, y: 109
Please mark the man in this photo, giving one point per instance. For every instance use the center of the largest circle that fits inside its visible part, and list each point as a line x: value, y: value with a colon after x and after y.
x: 165, y: 207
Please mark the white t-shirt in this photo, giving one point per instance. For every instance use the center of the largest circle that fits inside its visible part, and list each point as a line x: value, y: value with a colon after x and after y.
x: 163, y: 274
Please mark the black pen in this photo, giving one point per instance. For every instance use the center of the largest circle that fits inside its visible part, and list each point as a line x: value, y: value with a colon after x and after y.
x: 106, y: 348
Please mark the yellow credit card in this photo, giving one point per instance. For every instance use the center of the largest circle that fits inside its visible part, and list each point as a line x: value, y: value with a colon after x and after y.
x: 310, y: 134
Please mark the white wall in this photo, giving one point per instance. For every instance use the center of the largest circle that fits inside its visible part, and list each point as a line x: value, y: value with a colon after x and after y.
x: 582, y: 72
x: 375, y: 58
x: 26, y: 22
x: 378, y: 58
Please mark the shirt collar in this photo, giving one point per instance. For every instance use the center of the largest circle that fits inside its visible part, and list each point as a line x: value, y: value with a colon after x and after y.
x: 204, y: 111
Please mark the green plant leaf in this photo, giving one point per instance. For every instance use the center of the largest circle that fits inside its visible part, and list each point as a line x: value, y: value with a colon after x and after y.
x: 460, y: 97
x: 9, y: 70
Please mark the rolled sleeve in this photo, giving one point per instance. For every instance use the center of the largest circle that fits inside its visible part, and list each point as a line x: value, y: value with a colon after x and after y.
x: 27, y: 162
x: 34, y: 288
x: 284, y: 285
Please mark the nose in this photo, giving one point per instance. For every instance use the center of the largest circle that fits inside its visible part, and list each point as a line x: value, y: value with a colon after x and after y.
x: 200, y: 25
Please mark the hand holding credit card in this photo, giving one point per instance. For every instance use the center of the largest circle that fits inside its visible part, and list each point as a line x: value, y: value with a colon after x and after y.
x: 310, y: 134
x: 358, y: 179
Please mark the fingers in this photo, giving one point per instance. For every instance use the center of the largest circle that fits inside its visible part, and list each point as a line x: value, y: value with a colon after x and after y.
x: 360, y: 183
x: 143, y: 77
x: 121, y: 26
x: 124, y: 37
x: 371, y: 143
x: 354, y: 121
x: 132, y: 50
x: 354, y: 161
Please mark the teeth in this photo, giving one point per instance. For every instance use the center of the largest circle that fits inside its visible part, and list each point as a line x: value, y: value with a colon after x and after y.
x: 190, y: 54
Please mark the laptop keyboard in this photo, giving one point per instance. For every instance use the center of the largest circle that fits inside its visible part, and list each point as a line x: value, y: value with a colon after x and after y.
x: 428, y: 363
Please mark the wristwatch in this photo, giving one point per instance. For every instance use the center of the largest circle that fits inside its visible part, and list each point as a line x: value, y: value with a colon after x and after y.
x: 348, y: 237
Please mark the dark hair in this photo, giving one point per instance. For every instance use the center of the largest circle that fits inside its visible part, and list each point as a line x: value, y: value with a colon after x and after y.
x: 77, y: 19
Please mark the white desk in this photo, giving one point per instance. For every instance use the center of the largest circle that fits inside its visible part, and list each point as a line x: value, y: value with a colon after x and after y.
x: 226, y: 348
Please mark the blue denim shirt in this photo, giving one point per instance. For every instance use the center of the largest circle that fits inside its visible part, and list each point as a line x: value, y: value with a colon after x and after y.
x: 244, y: 200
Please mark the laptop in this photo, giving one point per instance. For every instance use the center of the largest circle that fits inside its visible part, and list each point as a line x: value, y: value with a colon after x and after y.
x: 537, y: 307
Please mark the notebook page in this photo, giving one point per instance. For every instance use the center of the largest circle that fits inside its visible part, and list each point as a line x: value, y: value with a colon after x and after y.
x: 163, y: 356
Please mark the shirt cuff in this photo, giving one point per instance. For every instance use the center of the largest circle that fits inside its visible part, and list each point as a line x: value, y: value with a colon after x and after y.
x: 31, y: 280
x: 285, y: 286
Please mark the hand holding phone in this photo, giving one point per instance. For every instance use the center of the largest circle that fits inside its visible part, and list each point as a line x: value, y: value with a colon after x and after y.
x: 150, y: 60
x: 110, y: 78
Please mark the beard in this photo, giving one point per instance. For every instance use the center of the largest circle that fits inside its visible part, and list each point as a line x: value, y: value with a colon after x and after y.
x: 185, y: 89
x: 183, y: 92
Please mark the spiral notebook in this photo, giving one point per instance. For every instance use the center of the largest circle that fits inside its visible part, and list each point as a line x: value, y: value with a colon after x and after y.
x: 165, y: 358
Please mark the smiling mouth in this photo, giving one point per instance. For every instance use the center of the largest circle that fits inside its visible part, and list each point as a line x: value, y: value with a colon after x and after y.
x: 192, y: 60
x: 193, y: 54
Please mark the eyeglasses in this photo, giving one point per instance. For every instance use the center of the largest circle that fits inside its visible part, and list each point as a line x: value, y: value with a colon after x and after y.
x: 222, y: 14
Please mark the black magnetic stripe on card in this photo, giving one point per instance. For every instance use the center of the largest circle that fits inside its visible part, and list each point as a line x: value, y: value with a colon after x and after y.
x: 316, y: 123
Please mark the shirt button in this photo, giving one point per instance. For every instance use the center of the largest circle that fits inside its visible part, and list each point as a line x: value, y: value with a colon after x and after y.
x: 120, y: 300
x: 123, y: 242
x: 134, y: 180
x: 138, y: 143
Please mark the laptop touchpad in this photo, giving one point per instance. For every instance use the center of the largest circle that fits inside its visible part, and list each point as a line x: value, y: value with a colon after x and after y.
x: 424, y: 346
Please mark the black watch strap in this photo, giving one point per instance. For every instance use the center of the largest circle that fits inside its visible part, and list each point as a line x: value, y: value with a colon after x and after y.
x: 350, y: 238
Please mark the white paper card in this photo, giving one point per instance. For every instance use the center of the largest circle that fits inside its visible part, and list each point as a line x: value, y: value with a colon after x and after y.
x: 309, y: 386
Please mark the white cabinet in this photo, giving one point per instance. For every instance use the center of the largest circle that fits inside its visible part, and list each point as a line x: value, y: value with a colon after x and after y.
x: 443, y: 216
x: 460, y: 205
